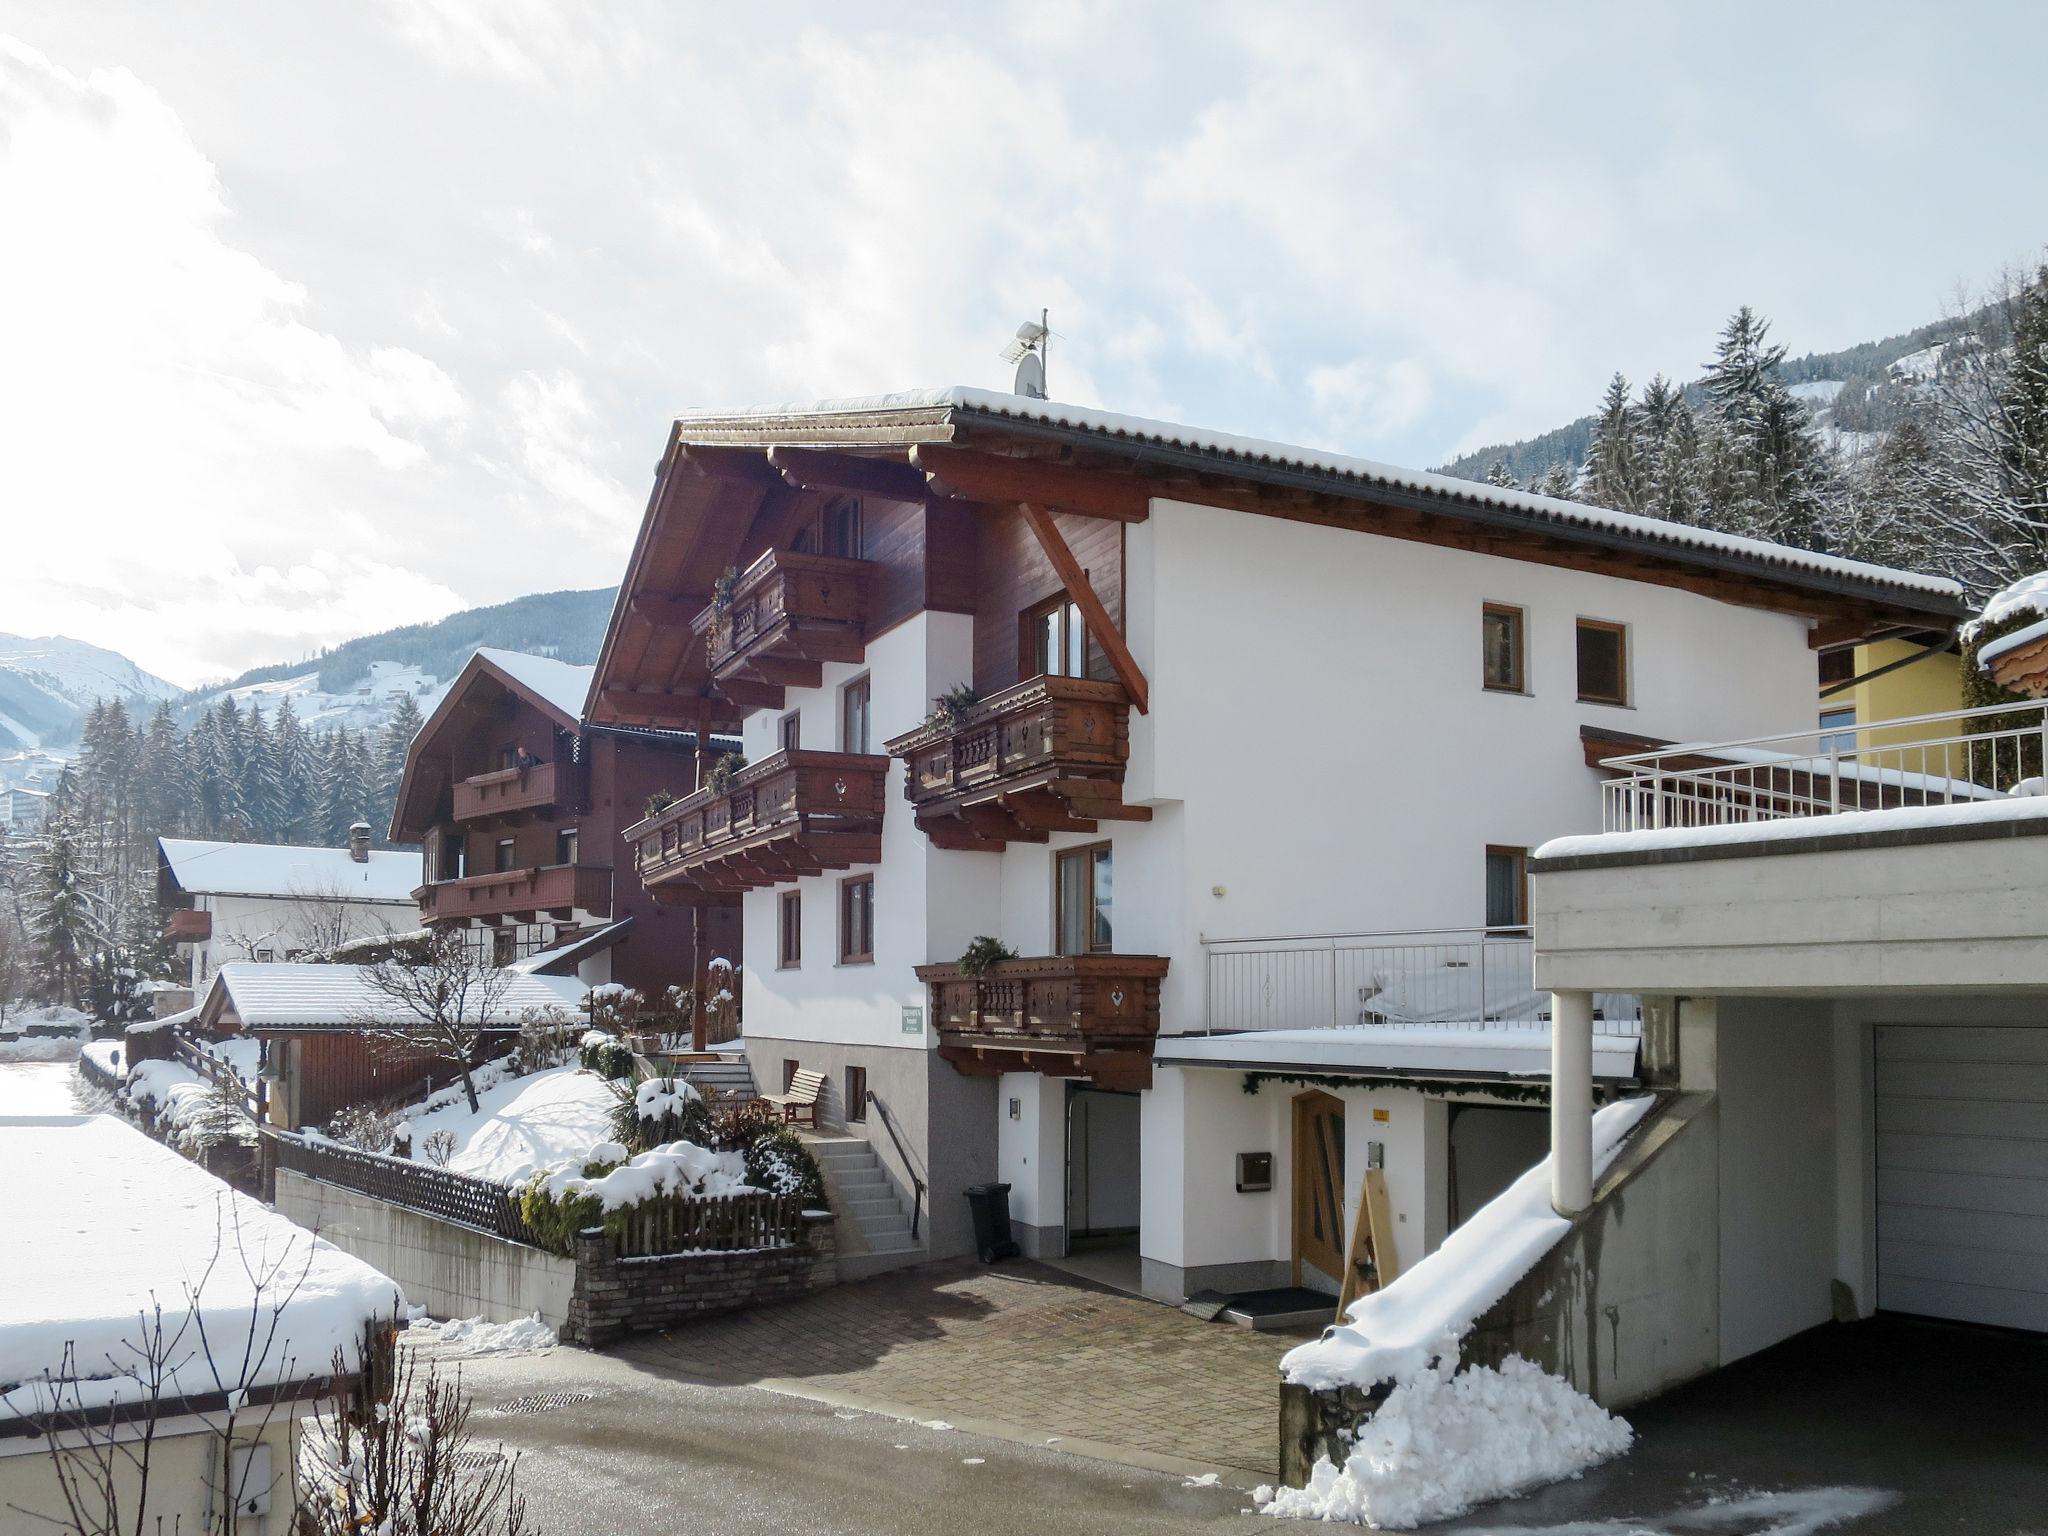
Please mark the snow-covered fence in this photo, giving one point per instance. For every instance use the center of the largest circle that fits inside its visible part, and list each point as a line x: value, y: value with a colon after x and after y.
x: 712, y: 1223
x: 1471, y: 977
x: 255, y: 1097
x: 1922, y: 760
x: 483, y: 1204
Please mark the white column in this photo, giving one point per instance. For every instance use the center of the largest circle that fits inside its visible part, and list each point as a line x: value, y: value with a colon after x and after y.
x: 1571, y: 1102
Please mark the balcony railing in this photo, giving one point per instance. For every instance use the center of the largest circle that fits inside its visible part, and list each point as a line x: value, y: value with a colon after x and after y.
x: 1476, y: 978
x: 1045, y: 756
x: 187, y: 926
x: 1924, y: 760
x: 796, y: 813
x: 519, y: 894
x: 507, y: 792
x: 789, y: 613
x: 1093, y: 1016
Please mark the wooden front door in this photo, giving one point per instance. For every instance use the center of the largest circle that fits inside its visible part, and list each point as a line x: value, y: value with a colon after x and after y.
x: 1318, y: 1184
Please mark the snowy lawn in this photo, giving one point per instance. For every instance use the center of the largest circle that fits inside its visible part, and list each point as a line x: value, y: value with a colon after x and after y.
x: 523, y: 1123
x: 43, y: 1034
x: 37, y: 1088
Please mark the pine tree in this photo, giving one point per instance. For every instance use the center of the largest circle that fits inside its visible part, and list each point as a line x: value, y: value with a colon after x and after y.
x: 161, y: 788
x: 67, y: 920
x: 1614, y: 476
x: 395, y: 741
x: 344, y: 787
x: 1497, y: 475
x: 298, y: 774
x: 1678, y: 485
x: 262, y: 788
x: 1765, y: 463
x: 1556, y: 482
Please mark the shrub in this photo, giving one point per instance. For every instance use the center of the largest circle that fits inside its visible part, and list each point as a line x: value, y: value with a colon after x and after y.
x: 556, y: 1219
x: 658, y: 1111
x: 608, y: 1057
x: 439, y: 1148
x: 778, y: 1160
x: 366, y: 1129
x: 543, y: 1040
x: 983, y: 955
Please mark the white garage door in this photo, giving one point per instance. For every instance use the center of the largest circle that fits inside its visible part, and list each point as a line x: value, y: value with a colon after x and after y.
x: 1962, y: 1173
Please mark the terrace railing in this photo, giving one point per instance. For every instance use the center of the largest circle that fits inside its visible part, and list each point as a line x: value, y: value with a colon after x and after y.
x: 461, y: 1198
x: 1924, y: 760
x: 712, y: 1224
x: 1475, y: 978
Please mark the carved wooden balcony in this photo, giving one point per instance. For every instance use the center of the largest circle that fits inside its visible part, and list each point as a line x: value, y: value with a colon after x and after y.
x: 796, y: 813
x: 186, y: 926
x: 789, y: 614
x: 1045, y: 756
x: 509, y: 793
x: 1092, y: 1016
x: 561, y: 892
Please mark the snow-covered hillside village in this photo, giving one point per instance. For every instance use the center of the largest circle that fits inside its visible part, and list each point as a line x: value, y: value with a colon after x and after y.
x: 1343, y: 820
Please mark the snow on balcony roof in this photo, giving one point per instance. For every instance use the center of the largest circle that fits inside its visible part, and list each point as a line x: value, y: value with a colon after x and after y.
x: 2027, y: 595
x: 281, y: 869
x: 561, y: 684
x: 2019, y: 639
x: 1423, y: 1050
x: 2026, y: 803
x: 297, y: 995
x: 1228, y: 448
x: 117, y: 1224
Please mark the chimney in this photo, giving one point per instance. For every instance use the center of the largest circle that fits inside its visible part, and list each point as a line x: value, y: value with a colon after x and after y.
x: 359, y: 842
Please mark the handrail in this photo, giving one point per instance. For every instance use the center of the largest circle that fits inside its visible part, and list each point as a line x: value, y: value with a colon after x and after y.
x: 1506, y: 931
x: 1708, y: 748
x: 917, y: 1185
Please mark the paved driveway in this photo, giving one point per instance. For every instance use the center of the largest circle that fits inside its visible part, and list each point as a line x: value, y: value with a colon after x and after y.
x: 1017, y: 1350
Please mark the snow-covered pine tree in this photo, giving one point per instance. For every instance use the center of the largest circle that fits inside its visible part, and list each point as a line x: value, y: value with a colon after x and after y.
x: 392, y: 745
x: 1556, y: 481
x: 1678, y: 488
x: 262, y: 787
x: 344, y: 786
x: 1614, y: 476
x: 161, y: 790
x: 1765, y: 462
x: 1497, y: 475
x: 298, y: 774
x: 66, y: 916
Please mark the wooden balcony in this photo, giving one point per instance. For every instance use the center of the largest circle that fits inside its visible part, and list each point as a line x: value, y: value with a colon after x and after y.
x: 796, y: 813
x: 790, y: 613
x: 1092, y: 1016
x: 185, y: 926
x: 509, y: 793
x: 1045, y: 756
x: 558, y: 892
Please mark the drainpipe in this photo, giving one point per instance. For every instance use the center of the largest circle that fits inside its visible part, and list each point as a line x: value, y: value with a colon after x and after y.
x: 1571, y: 1102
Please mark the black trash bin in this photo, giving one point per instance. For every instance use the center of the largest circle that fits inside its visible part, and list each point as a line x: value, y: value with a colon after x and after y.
x: 991, y: 1206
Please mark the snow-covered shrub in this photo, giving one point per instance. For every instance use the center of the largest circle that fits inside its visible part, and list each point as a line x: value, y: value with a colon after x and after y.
x: 365, y: 1129
x: 658, y: 1111
x: 439, y: 1148
x: 606, y: 1055
x: 543, y: 1041
x: 777, y: 1159
x: 561, y: 1200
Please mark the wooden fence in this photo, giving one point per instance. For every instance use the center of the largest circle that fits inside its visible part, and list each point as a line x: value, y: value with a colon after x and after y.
x: 458, y: 1197
x: 255, y: 1097
x: 713, y: 1224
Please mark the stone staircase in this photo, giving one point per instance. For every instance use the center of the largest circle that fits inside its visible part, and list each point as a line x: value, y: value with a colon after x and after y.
x: 873, y: 1224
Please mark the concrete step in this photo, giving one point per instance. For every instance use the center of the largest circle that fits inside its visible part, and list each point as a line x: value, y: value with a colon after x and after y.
x: 860, y: 1178
x: 866, y: 1206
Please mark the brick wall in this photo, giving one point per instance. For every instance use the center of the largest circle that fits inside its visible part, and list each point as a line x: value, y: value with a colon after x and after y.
x: 615, y: 1296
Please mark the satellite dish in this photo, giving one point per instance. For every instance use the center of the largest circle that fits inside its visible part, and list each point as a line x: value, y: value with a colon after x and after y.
x: 1030, y: 377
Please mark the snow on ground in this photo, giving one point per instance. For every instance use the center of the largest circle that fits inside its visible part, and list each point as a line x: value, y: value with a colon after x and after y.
x: 522, y: 1123
x: 37, y: 1088
x: 173, y: 1092
x: 110, y: 1056
x: 122, y: 1223
x: 1446, y: 1441
x: 43, y: 1034
x: 474, y: 1336
x: 37, y: 1048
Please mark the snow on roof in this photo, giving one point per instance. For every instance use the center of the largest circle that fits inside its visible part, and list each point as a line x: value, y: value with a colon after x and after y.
x: 1448, y: 1050
x: 1391, y: 1334
x: 564, y: 957
x: 118, y: 1223
x: 2027, y: 595
x: 2024, y: 803
x: 1228, y: 446
x: 2019, y: 639
x: 298, y: 995
x: 562, y: 685
x: 280, y: 869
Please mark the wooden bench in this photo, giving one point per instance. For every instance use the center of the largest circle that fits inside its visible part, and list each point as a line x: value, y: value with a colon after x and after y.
x: 801, y: 1101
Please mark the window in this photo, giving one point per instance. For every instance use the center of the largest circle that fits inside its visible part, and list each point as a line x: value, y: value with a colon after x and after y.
x: 503, y: 857
x: 857, y: 920
x: 1056, y: 640
x: 853, y: 716
x: 508, y: 757
x: 504, y: 946
x: 842, y: 528
x: 1507, y: 887
x: 1501, y: 642
x: 1603, y: 662
x: 856, y: 1095
x: 1082, y: 900
x: 789, y: 1070
x: 789, y: 730
x: 1838, y: 730
x: 789, y: 930
x: 265, y: 956
x: 1838, y: 666
x: 454, y: 848
x: 565, y: 846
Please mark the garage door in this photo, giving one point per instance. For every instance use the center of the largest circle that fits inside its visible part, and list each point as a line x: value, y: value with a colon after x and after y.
x: 1962, y: 1173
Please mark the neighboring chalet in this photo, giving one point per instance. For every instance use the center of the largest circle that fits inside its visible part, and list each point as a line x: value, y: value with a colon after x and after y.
x: 1237, y: 748
x: 270, y: 902
x: 313, y: 1022
x: 518, y: 804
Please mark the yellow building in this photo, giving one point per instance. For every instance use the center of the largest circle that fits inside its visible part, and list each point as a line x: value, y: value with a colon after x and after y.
x: 1928, y: 685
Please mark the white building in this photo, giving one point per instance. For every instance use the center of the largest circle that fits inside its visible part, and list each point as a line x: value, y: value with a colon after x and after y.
x: 23, y: 811
x: 273, y: 902
x: 1255, y: 743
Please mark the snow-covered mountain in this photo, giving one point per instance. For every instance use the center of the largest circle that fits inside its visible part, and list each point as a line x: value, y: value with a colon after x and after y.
x: 48, y: 684
x: 366, y: 706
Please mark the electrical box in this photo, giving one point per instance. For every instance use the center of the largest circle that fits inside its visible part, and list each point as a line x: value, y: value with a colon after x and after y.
x: 1254, y: 1173
x: 249, y: 1478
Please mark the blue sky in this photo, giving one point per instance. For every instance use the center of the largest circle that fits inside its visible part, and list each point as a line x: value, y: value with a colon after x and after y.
x: 329, y: 318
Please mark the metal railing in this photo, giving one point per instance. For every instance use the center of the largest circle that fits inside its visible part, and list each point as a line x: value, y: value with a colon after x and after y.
x: 1922, y: 760
x: 1424, y: 978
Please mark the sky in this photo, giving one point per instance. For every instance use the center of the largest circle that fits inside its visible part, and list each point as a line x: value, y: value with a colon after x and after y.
x: 315, y: 320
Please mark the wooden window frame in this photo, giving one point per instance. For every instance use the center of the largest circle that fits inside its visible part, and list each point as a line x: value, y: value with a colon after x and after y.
x: 856, y: 1107
x: 789, y: 931
x: 1521, y: 858
x: 856, y: 519
x: 1086, y: 852
x: 499, y: 864
x: 849, y: 956
x: 863, y: 688
x: 1620, y: 633
x: 1027, y: 637
x: 1520, y: 616
x: 789, y: 731
x: 575, y: 850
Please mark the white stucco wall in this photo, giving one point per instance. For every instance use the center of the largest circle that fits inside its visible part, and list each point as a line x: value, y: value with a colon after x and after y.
x: 1031, y: 1148
x: 245, y: 924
